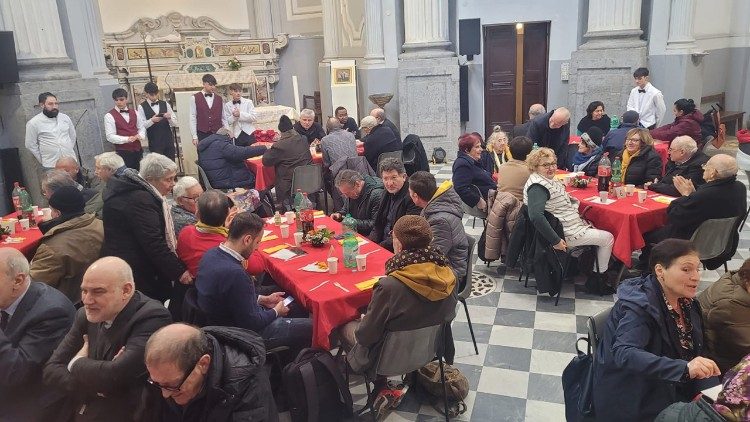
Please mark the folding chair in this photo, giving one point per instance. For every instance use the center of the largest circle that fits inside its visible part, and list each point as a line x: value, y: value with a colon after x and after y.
x: 716, y: 238
x: 466, y: 291
x: 309, y: 179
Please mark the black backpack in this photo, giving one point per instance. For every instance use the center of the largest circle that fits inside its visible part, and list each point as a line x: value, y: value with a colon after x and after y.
x: 315, y: 388
x: 438, y: 155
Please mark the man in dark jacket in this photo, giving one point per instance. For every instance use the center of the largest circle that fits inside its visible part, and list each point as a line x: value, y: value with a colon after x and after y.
x: 552, y: 130
x: 395, y: 204
x: 347, y: 123
x: 535, y: 111
x: 211, y: 374
x: 363, y: 195
x: 614, y: 141
x: 224, y: 162
x: 378, y: 139
x: 288, y: 152
x: 684, y: 160
x: 39, y: 316
x: 99, y: 364
x: 311, y: 130
x: 379, y: 115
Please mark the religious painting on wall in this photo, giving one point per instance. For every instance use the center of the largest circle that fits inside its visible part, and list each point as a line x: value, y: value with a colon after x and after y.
x: 342, y: 76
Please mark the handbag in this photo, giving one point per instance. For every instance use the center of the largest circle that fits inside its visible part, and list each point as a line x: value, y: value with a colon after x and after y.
x: 577, y: 381
x: 456, y: 384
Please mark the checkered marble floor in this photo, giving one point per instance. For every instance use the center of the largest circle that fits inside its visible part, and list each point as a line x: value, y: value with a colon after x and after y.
x: 524, y: 342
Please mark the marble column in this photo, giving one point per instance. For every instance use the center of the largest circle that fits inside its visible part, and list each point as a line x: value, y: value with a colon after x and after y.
x: 39, y: 40
x: 426, y: 30
x: 614, y: 23
x: 374, y: 52
x: 331, y: 31
x: 681, y: 15
x: 263, y: 19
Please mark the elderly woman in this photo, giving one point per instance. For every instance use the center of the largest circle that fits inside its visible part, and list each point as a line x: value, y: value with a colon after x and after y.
x: 470, y: 180
x: 185, y: 193
x: 589, y: 152
x: 687, y: 121
x: 594, y: 117
x: 497, y: 152
x: 640, y: 162
x: 649, y: 355
x: 311, y: 130
x: 138, y: 226
x: 543, y: 193
x: 726, y: 312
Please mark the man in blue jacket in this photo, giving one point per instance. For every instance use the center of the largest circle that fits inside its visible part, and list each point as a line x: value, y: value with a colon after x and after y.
x: 224, y: 162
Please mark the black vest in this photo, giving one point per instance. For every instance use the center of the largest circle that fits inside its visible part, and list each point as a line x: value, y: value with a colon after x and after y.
x: 159, y: 132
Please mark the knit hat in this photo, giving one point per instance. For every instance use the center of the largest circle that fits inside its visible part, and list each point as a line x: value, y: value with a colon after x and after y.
x: 630, y: 116
x: 285, y: 123
x: 593, y: 137
x: 67, y: 200
x: 413, y: 231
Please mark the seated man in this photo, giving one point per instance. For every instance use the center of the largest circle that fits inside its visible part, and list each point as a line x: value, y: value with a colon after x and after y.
x: 226, y: 293
x: 33, y: 319
x: 378, y: 139
x: 348, y: 123
x: 224, y: 162
x: 210, y: 374
x: 185, y: 192
x: 722, y: 196
x: 55, y: 179
x: 395, y: 204
x: 379, y: 115
x: 513, y: 174
x: 290, y: 151
x: 614, y: 141
x: 79, y: 174
x: 684, y: 160
x: 308, y: 128
x: 363, y: 195
x: 70, y: 242
x: 417, y: 292
x: 99, y: 364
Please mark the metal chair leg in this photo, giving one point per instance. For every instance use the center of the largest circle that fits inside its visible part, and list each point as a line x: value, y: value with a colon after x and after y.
x: 445, y: 389
x: 725, y: 268
x: 473, y: 223
x: 471, y: 328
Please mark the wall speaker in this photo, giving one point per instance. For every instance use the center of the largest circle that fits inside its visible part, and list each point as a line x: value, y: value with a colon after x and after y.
x: 463, y: 90
x: 8, y: 60
x: 469, y: 41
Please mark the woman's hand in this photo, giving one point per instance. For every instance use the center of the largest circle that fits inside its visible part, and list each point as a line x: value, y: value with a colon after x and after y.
x: 482, y: 204
x: 701, y: 368
x: 562, y: 246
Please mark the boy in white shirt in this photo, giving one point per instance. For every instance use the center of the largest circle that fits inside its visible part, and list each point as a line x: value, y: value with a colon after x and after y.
x: 646, y: 100
x: 239, y: 116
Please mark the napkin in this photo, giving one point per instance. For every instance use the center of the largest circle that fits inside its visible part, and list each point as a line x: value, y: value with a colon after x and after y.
x: 271, y: 237
x: 598, y: 200
x: 360, y: 240
x: 14, y: 239
x: 284, y: 254
x: 276, y: 248
x: 368, y: 284
x: 314, y: 268
x: 664, y: 199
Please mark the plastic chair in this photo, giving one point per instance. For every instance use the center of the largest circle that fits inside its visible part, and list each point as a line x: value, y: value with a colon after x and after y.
x: 393, y: 154
x: 204, y: 178
x: 596, y: 324
x: 716, y: 238
x: 309, y: 179
x: 474, y: 211
x: 466, y: 291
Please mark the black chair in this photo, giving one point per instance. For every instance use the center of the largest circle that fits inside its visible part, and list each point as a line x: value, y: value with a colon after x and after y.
x: 393, y: 154
x: 466, y: 291
x: 595, y: 325
x: 191, y: 313
x: 309, y: 179
x: 716, y: 241
x: 203, y: 177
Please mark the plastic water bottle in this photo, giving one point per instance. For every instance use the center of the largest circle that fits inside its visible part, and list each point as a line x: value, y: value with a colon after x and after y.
x: 349, y: 224
x: 616, y: 172
x: 17, y: 199
x: 307, y: 215
x: 298, y: 209
x: 604, y: 173
x: 614, y: 122
x: 351, y: 250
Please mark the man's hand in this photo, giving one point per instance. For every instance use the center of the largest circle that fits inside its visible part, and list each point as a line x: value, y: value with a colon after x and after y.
x: 271, y: 300
x: 336, y: 217
x: 683, y: 185
x: 236, y: 112
x: 701, y: 368
x: 167, y: 115
x: 561, y: 246
x: 155, y: 119
x: 119, y: 353
x: 186, y: 278
x: 280, y: 309
x: 84, y: 352
x: 195, y: 141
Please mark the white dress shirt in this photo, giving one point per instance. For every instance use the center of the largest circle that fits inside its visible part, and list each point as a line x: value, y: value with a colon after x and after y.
x: 649, y: 105
x: 49, y: 139
x: 110, y: 130
x: 243, y: 123
x: 147, y: 123
x: 193, y: 117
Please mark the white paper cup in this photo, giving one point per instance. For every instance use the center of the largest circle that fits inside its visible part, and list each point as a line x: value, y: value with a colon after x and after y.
x: 284, y: 231
x: 620, y: 192
x: 298, y: 238
x: 47, y: 213
x: 333, y: 265
x: 642, y: 196
x: 603, y: 196
x: 361, y: 262
x: 35, y: 210
x: 630, y: 189
x: 24, y: 224
x: 290, y: 215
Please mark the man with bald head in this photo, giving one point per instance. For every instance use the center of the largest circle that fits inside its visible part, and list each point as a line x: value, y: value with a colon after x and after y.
x: 552, y: 130
x: 535, y: 111
x: 99, y: 364
x: 34, y: 317
x: 211, y: 374
x: 69, y: 165
x: 379, y: 115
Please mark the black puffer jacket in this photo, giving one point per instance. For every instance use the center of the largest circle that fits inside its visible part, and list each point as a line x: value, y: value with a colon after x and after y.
x: 644, y: 167
x: 444, y: 213
x: 401, y: 205
x: 224, y: 162
x: 236, y: 386
x: 364, y: 209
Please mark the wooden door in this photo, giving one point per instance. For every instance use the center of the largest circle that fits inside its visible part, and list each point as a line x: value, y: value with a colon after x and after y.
x: 535, y: 66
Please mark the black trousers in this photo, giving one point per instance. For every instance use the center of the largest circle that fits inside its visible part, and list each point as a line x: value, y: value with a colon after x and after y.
x: 132, y: 158
x: 164, y: 147
x: 244, y: 140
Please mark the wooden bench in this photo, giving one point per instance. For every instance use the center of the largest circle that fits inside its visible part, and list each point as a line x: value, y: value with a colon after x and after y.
x: 734, y: 117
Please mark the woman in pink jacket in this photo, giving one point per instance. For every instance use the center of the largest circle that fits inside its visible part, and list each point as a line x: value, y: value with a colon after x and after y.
x: 687, y: 121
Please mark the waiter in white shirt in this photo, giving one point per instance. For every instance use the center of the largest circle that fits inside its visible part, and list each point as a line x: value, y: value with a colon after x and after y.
x: 646, y: 100
x: 205, y: 110
x: 50, y: 134
x: 239, y: 116
x: 159, y: 119
x: 125, y: 130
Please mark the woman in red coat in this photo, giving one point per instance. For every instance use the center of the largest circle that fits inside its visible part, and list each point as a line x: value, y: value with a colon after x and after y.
x: 687, y: 121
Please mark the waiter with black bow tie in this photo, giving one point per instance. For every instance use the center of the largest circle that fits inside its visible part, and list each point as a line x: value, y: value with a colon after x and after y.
x: 239, y: 116
x: 159, y: 119
x: 125, y: 130
x: 205, y: 110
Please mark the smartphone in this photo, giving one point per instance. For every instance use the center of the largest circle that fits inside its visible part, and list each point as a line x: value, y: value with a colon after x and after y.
x: 288, y: 300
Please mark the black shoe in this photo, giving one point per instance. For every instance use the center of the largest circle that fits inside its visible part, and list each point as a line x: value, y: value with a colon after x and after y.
x: 596, y: 284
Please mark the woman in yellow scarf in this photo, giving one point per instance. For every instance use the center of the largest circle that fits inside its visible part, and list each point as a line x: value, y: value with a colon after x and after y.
x: 640, y: 162
x: 497, y: 148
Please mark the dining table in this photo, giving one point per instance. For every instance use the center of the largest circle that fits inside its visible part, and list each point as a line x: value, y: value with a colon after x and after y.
x: 331, y: 299
x: 25, y: 241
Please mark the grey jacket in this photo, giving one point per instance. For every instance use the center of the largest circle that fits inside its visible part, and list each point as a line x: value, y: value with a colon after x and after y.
x: 444, y: 213
x: 365, y: 208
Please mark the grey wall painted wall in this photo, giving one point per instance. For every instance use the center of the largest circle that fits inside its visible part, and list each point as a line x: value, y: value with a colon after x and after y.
x: 299, y: 58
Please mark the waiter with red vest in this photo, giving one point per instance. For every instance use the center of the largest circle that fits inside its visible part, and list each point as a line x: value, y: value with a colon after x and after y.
x: 125, y: 130
x: 205, y: 110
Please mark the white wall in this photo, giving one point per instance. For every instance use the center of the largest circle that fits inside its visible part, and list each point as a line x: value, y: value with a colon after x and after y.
x: 118, y: 16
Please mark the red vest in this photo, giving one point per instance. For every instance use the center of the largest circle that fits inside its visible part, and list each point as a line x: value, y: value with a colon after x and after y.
x: 126, y: 129
x: 208, y: 120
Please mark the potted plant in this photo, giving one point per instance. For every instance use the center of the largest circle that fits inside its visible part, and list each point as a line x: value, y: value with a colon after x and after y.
x: 234, y: 64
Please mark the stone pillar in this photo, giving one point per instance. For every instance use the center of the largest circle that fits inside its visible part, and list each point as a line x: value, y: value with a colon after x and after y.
x: 602, y: 68
x: 428, y: 77
x: 81, y: 24
x: 681, y: 25
x: 374, y: 32
x: 263, y: 21
x: 331, y: 35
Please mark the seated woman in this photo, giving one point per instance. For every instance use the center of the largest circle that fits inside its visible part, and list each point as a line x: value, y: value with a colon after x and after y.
x: 497, y: 152
x: 726, y: 315
x: 687, y: 121
x: 650, y: 351
x: 640, y: 162
x: 589, y: 152
x: 594, y: 117
x: 470, y: 180
x: 543, y: 193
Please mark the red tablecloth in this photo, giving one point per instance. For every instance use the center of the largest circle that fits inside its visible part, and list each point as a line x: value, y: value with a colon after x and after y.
x: 626, y: 221
x: 662, y: 148
x: 30, y: 242
x: 329, y: 305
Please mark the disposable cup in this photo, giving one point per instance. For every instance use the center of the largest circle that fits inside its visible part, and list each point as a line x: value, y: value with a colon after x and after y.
x: 603, y: 197
x: 298, y: 238
x: 284, y: 230
x: 630, y: 189
x: 46, y: 214
x: 642, y: 196
x: 24, y: 223
x: 361, y: 262
x: 333, y: 265
x: 620, y: 192
x: 290, y: 215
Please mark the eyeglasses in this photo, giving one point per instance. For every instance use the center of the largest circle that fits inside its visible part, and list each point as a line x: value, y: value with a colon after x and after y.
x: 173, y: 389
x: 548, y: 165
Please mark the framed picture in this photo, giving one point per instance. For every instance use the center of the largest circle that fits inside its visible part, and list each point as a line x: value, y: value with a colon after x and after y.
x: 342, y: 75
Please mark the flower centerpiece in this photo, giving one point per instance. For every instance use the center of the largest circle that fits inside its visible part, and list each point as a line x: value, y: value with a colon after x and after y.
x: 234, y: 64
x: 580, y: 182
x: 319, y: 238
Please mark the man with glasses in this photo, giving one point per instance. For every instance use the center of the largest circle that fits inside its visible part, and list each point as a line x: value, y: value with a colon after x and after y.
x: 684, y: 160
x: 99, y: 364
x: 211, y: 374
x: 185, y: 193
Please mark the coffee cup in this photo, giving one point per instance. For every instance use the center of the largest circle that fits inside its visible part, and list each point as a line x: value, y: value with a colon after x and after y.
x: 24, y: 224
x: 290, y: 216
x: 361, y: 262
x: 46, y: 214
x: 35, y: 210
x: 603, y: 196
x: 333, y: 265
x: 630, y: 189
x: 620, y: 192
x: 642, y: 196
x: 298, y: 238
x: 284, y: 230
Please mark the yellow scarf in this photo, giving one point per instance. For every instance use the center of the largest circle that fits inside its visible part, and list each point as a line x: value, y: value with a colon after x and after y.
x: 205, y: 228
x: 626, y: 157
x: 507, y: 155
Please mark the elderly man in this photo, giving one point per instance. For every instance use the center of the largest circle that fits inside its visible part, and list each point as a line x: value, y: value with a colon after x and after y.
x: 70, y: 242
x: 78, y: 173
x: 363, y: 195
x: 99, y: 363
x: 535, y: 111
x: 33, y: 319
x: 378, y: 139
x: 684, y: 160
x: 379, y: 115
x: 348, y: 123
x: 286, y: 154
x: 224, y: 162
x: 185, y: 193
x: 210, y: 374
x: 50, y: 134
x: 139, y: 229
x: 55, y: 179
x: 614, y: 141
x: 552, y: 130
x: 338, y: 144
x: 108, y: 164
x: 308, y: 127
x: 395, y: 204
